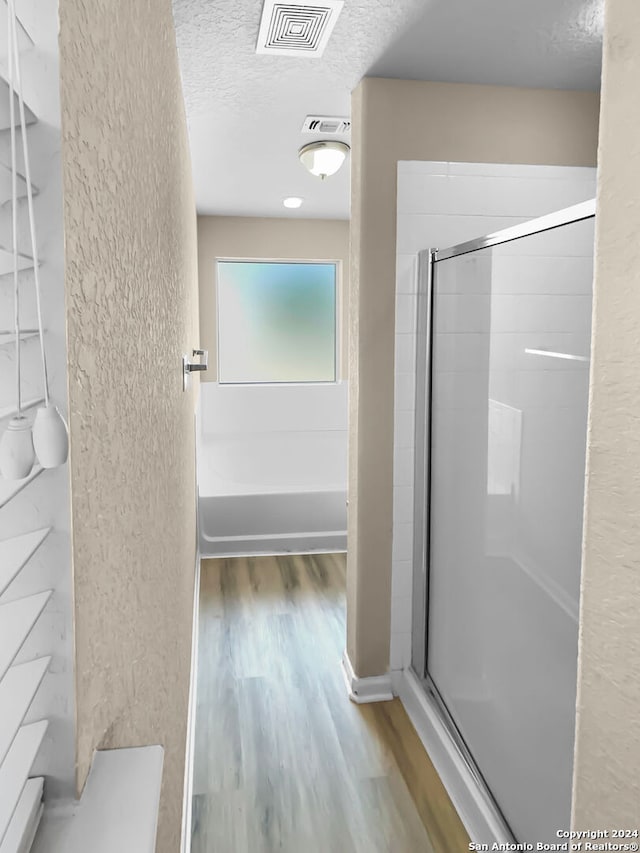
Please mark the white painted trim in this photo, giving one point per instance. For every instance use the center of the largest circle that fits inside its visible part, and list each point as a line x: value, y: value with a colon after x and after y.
x: 468, y: 799
x: 396, y: 680
x: 376, y: 688
x: 32, y: 828
x: 26, y: 819
x: 187, y: 810
x: 272, y: 553
x: 187, y: 806
x: 259, y: 537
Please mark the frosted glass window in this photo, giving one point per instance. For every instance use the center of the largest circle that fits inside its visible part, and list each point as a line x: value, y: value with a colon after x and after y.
x: 276, y: 322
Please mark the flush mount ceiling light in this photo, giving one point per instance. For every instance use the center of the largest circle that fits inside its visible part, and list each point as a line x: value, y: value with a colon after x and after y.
x: 292, y: 202
x: 323, y: 158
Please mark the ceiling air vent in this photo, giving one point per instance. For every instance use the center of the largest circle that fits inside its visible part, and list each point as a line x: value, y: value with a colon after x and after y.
x: 297, y: 29
x: 326, y: 124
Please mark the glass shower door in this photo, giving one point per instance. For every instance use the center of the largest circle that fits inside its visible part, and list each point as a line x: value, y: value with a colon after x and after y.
x: 510, y: 344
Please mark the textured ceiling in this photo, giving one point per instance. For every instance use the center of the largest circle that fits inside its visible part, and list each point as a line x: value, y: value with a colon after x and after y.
x: 245, y: 110
x: 555, y: 44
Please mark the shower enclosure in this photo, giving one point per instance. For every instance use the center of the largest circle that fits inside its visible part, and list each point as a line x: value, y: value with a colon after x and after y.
x: 504, y: 331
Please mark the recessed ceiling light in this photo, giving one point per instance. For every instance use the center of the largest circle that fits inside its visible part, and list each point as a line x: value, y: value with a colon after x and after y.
x: 292, y: 201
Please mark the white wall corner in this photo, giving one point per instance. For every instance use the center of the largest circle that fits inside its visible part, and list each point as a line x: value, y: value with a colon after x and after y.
x: 397, y: 678
x: 377, y: 688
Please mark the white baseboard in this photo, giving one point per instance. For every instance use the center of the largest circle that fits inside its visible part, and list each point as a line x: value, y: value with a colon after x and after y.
x: 470, y: 801
x: 187, y: 811
x: 259, y: 546
x: 270, y: 552
x: 376, y: 688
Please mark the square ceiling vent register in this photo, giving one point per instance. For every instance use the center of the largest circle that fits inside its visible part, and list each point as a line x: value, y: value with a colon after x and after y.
x: 297, y: 29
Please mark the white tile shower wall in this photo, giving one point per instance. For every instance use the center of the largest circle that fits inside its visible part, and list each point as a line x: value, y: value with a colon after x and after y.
x: 439, y: 205
x: 45, y: 502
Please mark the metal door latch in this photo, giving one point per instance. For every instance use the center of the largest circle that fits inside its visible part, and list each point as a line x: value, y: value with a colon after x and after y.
x: 189, y: 367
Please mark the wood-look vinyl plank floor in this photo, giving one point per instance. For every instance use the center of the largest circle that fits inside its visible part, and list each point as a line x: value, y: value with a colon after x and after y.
x: 283, y: 760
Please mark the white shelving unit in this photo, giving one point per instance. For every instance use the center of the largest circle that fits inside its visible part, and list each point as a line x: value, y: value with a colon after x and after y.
x: 5, y: 180
x: 7, y: 338
x: 10, y: 488
x: 25, y: 42
x: 17, y: 618
x: 15, y: 770
x: 16, y: 552
x: 5, y: 123
x: 25, y: 262
x: 9, y: 411
x: 26, y: 816
x: 34, y: 512
x: 17, y: 692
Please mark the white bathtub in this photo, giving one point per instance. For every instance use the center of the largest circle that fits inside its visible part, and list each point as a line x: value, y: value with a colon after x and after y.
x: 272, y: 469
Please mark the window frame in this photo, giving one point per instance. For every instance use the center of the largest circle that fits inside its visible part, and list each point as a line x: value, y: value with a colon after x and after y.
x: 337, y: 329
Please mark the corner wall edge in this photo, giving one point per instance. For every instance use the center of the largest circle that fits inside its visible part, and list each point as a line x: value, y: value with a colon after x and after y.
x: 376, y: 688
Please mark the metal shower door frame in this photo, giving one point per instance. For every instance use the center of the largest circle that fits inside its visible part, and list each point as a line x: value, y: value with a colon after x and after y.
x: 425, y: 325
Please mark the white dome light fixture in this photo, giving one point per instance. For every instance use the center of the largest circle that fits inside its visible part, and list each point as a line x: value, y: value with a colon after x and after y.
x: 292, y: 202
x: 323, y: 158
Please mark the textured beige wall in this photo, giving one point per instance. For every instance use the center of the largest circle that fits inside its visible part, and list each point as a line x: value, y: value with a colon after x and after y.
x: 131, y: 291
x: 408, y: 120
x: 606, y: 773
x: 277, y: 238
